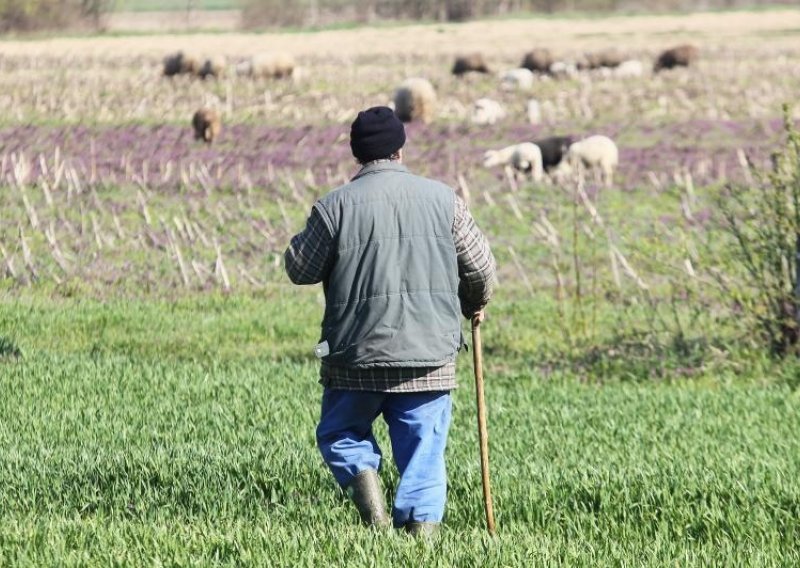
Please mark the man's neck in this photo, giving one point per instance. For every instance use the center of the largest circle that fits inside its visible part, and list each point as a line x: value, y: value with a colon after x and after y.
x: 379, y: 161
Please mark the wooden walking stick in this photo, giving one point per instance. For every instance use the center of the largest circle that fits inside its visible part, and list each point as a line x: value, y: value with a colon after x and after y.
x: 483, y: 435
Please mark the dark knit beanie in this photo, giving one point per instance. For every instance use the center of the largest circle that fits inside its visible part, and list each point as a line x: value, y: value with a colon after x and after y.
x: 376, y: 133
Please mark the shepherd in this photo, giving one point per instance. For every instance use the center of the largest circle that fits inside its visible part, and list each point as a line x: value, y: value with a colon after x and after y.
x: 400, y: 258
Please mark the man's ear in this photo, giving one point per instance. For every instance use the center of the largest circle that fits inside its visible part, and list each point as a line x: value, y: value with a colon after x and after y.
x: 400, y: 155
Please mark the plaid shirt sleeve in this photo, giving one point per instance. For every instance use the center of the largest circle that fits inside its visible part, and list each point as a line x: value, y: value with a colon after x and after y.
x: 310, y: 254
x: 476, y: 264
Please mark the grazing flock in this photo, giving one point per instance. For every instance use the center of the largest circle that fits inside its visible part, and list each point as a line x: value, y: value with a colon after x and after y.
x: 206, y: 122
x: 415, y: 99
x: 558, y: 156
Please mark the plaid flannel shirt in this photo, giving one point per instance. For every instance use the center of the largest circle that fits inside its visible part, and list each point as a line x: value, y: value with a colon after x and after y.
x: 310, y: 256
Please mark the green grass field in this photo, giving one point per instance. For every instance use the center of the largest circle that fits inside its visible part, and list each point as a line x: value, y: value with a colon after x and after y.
x: 182, y: 433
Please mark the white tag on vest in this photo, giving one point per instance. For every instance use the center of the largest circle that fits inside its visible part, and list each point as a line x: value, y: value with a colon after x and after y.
x: 322, y: 349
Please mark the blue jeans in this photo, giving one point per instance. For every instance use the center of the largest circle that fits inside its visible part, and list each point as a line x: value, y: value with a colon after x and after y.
x: 418, y: 424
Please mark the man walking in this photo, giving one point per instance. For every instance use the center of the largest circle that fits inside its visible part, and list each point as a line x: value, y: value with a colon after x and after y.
x: 399, y: 257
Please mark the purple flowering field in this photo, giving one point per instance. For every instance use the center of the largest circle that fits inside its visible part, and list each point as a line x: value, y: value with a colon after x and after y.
x: 246, y: 153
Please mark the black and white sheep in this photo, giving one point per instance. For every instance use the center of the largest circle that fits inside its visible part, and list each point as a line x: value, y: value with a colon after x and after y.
x: 553, y: 149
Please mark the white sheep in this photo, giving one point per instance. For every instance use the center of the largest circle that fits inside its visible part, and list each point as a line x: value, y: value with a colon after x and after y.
x: 487, y: 111
x: 563, y: 69
x: 534, y: 111
x: 517, y: 79
x: 415, y: 99
x: 596, y: 153
x: 502, y: 157
x: 629, y: 68
x: 525, y: 157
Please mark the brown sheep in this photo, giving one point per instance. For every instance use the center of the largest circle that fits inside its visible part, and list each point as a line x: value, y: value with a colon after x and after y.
x: 472, y: 62
x: 680, y: 56
x: 179, y: 64
x: 606, y: 58
x: 415, y: 99
x: 206, y: 124
x: 213, y: 67
x: 267, y: 65
x: 538, y: 60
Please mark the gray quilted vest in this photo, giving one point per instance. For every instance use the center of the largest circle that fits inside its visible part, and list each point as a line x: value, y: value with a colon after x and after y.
x: 392, y: 293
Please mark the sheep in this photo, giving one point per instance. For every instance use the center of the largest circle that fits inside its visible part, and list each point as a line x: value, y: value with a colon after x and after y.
x: 517, y: 79
x: 606, y: 58
x: 534, y: 111
x: 487, y: 111
x: 563, y: 69
x: 180, y: 64
x: 680, y: 56
x: 267, y: 65
x: 610, y: 58
x: 206, y: 124
x: 553, y: 150
x: 189, y: 64
x: 415, y: 99
x: 629, y: 68
x: 525, y: 157
x: 172, y: 64
x: 472, y: 62
x: 538, y: 60
x: 597, y: 153
x: 213, y: 67
x: 492, y: 158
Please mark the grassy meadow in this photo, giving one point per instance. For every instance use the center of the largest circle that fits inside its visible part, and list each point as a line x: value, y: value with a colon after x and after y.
x: 183, y: 433
x: 160, y: 391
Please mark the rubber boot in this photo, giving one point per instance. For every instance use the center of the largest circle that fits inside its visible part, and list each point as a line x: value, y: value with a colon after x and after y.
x: 423, y: 530
x: 365, y: 491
